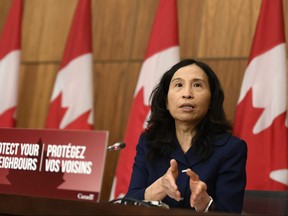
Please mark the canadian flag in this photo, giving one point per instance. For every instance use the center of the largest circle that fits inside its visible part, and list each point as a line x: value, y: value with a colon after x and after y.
x: 10, y: 43
x: 261, y: 111
x: 72, y: 97
x: 161, y: 54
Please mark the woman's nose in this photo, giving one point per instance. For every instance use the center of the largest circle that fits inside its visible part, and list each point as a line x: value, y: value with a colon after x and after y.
x: 187, y: 93
x: 187, y: 96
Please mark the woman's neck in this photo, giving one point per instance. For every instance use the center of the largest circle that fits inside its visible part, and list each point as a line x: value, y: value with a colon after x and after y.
x: 184, y: 134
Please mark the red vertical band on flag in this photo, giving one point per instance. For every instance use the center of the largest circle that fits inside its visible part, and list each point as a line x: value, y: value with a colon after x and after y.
x: 79, y: 39
x: 10, y: 38
x: 270, y: 29
x: 10, y: 43
x: 260, y: 117
x: 167, y: 23
x: 162, y: 52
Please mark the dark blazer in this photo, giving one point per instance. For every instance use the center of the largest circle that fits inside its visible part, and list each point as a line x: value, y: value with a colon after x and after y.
x: 223, y: 172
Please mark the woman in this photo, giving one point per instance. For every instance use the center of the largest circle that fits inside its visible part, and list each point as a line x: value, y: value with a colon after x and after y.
x: 186, y: 157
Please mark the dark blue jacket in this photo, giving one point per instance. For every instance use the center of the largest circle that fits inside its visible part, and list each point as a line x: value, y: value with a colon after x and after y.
x: 223, y: 172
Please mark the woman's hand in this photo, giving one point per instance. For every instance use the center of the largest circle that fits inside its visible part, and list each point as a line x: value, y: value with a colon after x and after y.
x: 199, y: 198
x: 165, y: 185
x: 169, y: 181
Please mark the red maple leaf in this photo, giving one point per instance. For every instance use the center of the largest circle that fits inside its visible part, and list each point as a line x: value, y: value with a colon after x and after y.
x: 7, y: 118
x: 267, y: 150
x: 56, y: 113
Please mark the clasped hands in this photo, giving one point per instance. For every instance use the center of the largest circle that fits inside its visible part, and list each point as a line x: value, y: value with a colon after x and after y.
x: 199, y: 198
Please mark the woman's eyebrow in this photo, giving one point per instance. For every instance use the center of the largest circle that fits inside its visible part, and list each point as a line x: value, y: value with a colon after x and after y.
x: 194, y: 79
x: 176, y: 79
x: 198, y: 79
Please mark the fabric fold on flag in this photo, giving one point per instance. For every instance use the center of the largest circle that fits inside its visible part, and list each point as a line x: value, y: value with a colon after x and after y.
x: 10, y: 44
x: 261, y: 117
x: 161, y: 54
x: 71, y: 103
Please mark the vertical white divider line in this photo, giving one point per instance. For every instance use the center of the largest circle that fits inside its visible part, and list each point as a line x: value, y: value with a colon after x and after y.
x: 40, y: 167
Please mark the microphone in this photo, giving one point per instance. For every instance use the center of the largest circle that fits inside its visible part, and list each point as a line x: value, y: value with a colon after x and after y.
x: 116, y: 146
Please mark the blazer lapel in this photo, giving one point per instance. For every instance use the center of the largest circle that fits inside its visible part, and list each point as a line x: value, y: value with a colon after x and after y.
x: 187, y: 160
x: 190, y: 159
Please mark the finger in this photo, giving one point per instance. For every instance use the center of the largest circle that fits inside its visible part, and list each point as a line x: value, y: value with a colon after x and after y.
x: 193, y: 176
x: 169, y: 179
x: 173, y: 165
x: 174, y: 194
x: 177, y: 196
x: 195, y: 197
x: 198, y: 188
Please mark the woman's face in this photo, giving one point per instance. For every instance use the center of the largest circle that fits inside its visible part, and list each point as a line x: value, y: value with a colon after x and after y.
x: 189, y: 95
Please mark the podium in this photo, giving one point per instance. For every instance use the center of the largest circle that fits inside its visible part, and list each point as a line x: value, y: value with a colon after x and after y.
x: 22, y: 205
x: 256, y: 203
x: 62, y: 164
